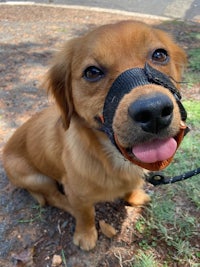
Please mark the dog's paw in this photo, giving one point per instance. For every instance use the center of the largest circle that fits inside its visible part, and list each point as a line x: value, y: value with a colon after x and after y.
x: 86, y: 240
x: 138, y: 198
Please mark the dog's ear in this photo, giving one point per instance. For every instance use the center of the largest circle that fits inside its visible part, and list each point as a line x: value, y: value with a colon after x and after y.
x: 58, y: 82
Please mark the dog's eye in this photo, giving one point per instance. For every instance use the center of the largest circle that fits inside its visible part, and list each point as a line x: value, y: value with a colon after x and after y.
x: 93, y: 74
x: 160, y: 56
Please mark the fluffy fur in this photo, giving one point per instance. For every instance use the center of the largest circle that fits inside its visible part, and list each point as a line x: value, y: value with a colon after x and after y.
x: 63, y: 144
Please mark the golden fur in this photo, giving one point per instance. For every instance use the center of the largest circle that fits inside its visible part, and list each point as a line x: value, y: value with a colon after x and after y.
x: 62, y: 144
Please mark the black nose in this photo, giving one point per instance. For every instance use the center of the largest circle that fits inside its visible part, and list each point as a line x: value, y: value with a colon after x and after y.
x: 152, y: 113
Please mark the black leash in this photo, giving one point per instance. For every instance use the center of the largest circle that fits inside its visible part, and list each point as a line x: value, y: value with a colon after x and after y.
x: 159, y: 179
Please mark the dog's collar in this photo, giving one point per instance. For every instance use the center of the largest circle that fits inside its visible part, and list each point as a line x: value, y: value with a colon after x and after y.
x: 124, y: 83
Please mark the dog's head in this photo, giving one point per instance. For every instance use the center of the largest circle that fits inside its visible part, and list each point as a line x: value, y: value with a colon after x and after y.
x: 147, y: 120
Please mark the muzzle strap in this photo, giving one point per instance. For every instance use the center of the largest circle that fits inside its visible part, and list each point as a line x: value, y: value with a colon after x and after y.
x: 157, y: 77
x: 126, y: 82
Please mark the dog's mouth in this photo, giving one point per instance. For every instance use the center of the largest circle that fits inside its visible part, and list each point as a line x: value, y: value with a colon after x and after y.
x: 156, y: 150
x: 156, y: 154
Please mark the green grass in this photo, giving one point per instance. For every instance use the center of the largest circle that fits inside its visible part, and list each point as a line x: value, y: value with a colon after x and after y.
x: 63, y: 258
x: 194, y: 59
x: 170, y: 225
x: 145, y: 260
x: 37, y: 211
x: 192, y: 75
x: 193, y: 109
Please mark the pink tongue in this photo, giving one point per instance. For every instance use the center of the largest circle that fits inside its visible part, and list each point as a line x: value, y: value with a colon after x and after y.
x: 157, y: 150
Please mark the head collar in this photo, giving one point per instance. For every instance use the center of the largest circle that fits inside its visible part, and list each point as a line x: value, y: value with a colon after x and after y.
x: 124, y: 83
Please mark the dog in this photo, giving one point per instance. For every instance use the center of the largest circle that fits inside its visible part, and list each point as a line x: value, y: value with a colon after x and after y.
x: 70, y: 143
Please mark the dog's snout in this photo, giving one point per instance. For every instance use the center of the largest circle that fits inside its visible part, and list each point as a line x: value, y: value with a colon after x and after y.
x: 152, y: 113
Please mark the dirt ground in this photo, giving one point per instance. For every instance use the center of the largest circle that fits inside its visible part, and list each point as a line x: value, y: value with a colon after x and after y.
x: 29, y: 235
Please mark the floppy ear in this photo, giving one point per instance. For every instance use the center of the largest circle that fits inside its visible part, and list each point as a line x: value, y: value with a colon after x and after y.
x: 59, y: 82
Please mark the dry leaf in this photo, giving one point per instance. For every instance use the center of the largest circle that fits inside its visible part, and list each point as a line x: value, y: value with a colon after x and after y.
x: 107, y: 229
x: 56, y: 261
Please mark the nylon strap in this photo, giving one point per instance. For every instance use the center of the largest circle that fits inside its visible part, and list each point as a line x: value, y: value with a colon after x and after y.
x: 159, y: 179
x: 127, y: 81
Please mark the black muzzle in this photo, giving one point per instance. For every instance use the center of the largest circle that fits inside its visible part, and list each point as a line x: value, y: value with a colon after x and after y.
x: 126, y: 82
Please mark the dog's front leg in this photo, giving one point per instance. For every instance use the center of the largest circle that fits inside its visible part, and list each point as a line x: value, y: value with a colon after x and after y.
x: 85, y: 235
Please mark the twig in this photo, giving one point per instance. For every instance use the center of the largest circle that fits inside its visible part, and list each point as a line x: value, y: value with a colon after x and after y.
x: 119, y: 257
x: 59, y: 229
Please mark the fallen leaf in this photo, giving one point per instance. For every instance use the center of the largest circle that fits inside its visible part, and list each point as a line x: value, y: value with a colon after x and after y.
x: 107, y: 229
x: 56, y: 261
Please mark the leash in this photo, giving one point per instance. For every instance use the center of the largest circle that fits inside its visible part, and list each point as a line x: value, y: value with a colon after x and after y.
x: 159, y: 179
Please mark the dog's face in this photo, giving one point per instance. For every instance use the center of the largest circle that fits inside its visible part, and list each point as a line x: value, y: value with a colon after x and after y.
x: 87, y: 67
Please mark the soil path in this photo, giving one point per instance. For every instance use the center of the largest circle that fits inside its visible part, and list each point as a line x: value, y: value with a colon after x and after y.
x: 29, y: 235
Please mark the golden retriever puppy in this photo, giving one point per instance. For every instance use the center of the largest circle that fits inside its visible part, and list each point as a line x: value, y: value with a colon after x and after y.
x: 116, y: 114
